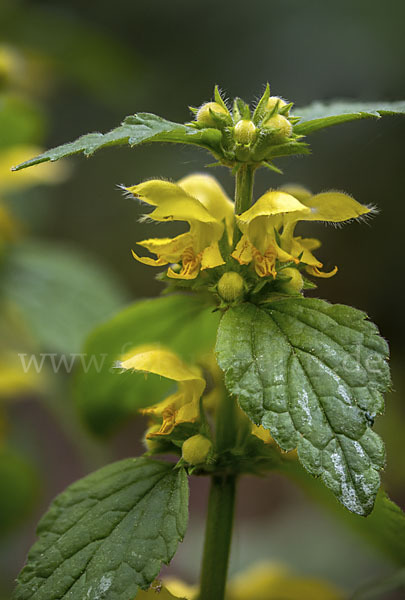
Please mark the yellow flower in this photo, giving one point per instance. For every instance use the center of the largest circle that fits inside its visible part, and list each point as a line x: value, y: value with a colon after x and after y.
x: 198, y: 200
x: 328, y: 207
x: 183, y: 405
x: 259, y: 226
x: 264, y: 581
x: 264, y: 434
x: 268, y: 228
x: 173, y: 588
x: 267, y: 581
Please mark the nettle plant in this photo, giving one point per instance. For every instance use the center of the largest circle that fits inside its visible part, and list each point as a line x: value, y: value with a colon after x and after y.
x: 245, y: 373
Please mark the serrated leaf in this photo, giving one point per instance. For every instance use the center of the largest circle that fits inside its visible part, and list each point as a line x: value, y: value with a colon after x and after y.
x: 319, y: 115
x: 313, y: 374
x: 135, y: 129
x: 106, y: 397
x: 108, y: 534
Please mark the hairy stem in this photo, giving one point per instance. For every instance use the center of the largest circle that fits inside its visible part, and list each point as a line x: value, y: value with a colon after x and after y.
x: 244, y: 187
x: 218, y: 535
x: 243, y: 192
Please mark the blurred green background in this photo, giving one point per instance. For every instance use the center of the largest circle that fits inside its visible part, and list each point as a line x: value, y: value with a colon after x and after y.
x: 89, y: 65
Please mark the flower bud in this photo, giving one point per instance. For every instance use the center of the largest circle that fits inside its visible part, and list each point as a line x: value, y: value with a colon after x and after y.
x: 295, y: 284
x: 273, y: 100
x: 231, y: 286
x: 204, y: 115
x: 196, y: 449
x: 244, y: 132
x: 279, y: 123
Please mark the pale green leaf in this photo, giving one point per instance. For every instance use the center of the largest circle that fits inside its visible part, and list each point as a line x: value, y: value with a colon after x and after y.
x: 135, y: 129
x: 60, y: 293
x: 105, y: 396
x: 319, y: 115
x: 108, y: 534
x: 313, y: 374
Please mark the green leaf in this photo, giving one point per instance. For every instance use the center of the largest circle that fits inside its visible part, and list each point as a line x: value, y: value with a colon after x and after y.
x: 60, y: 293
x: 313, y: 374
x: 108, y: 534
x: 105, y: 396
x: 319, y: 115
x: 135, y: 129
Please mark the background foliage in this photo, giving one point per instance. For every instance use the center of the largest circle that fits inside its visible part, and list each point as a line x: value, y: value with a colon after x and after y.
x: 88, y: 68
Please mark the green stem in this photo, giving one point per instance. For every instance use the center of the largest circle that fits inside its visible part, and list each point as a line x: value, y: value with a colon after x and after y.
x: 244, y: 187
x: 226, y: 425
x: 218, y: 535
x: 221, y: 504
x: 243, y: 193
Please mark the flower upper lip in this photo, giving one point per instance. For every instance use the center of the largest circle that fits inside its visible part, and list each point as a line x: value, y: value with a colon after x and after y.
x: 268, y: 227
x: 198, y: 200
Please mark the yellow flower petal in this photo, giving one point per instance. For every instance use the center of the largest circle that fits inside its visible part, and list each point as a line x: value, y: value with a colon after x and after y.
x: 190, y: 266
x: 317, y: 273
x: 160, y: 361
x: 299, y: 248
x: 333, y: 207
x: 270, y: 204
x: 147, y: 260
x: 211, y: 257
x: 309, y: 243
x: 181, y: 589
x: 263, y: 434
x: 267, y: 581
x: 190, y: 271
x: 173, y: 589
x: 243, y: 252
x: 171, y: 201
x: 183, y: 406
x: 264, y: 262
x: 266, y: 215
x: 208, y: 191
x: 169, y: 249
x: 298, y: 191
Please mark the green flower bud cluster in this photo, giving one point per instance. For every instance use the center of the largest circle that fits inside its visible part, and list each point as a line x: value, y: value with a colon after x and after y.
x: 256, y: 136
